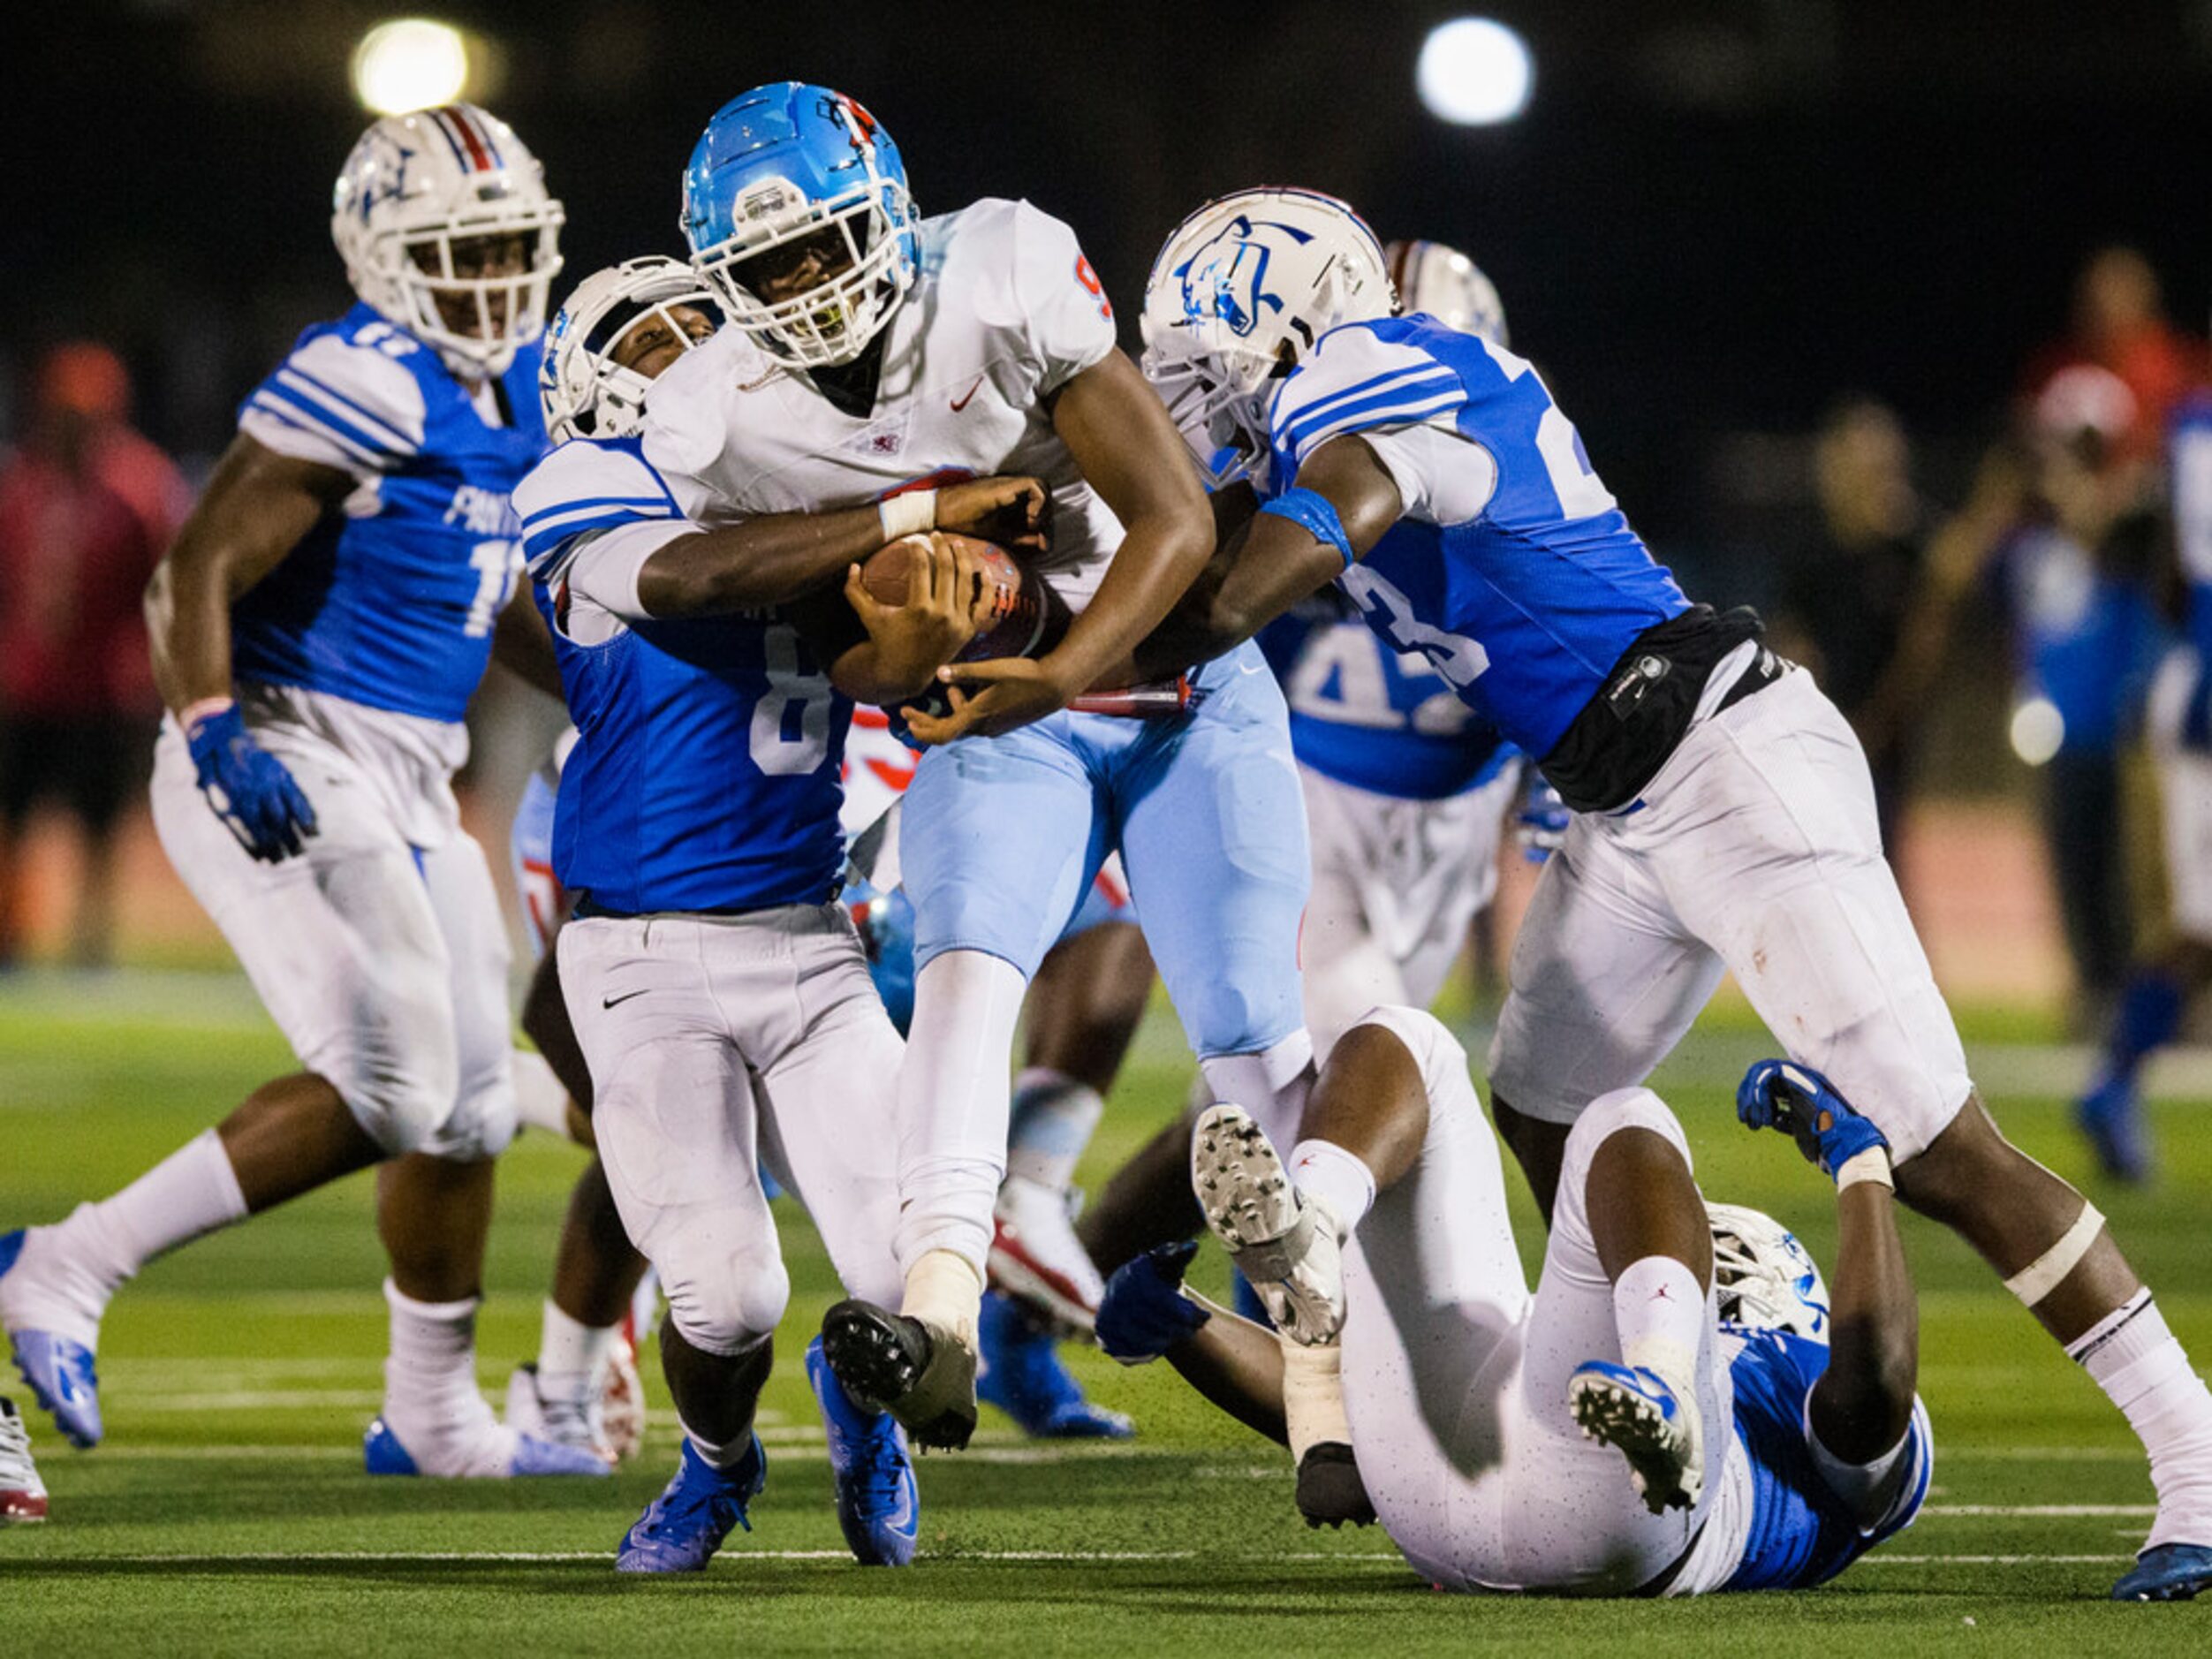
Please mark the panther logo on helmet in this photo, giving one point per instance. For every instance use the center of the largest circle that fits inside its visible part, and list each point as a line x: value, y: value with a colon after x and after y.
x: 1227, y: 276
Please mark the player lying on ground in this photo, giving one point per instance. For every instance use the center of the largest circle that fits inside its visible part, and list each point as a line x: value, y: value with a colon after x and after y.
x: 1658, y: 1418
x: 317, y: 631
x: 1724, y: 814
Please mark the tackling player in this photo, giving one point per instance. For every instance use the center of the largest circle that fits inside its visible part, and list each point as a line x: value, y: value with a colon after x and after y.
x: 317, y: 631
x: 872, y: 356
x: 1677, y: 1409
x: 1723, y: 814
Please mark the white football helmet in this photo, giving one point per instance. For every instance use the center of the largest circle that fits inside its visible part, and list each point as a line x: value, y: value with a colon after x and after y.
x: 417, y: 191
x: 1449, y: 286
x: 1767, y: 1280
x: 1241, y: 291
x: 585, y: 391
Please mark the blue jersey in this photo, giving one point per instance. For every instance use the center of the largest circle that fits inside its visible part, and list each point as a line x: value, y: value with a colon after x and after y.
x: 391, y: 601
x: 1376, y: 719
x: 1801, y: 1534
x: 704, y: 778
x: 1525, y: 608
x: 2087, y: 639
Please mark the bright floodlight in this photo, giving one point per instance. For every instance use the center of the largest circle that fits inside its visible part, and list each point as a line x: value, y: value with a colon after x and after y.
x: 410, y: 64
x: 1475, y: 71
x: 2038, y: 730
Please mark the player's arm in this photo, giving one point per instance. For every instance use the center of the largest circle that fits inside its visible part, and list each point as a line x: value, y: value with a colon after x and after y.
x: 522, y: 645
x: 1117, y: 431
x: 1147, y: 1314
x: 256, y: 509
x: 1343, y: 502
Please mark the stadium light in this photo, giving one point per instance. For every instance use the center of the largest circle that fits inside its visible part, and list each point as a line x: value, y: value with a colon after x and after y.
x: 1475, y: 71
x: 410, y: 64
x: 2037, y: 730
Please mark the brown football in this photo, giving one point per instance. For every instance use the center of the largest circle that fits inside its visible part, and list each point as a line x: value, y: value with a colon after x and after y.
x: 1020, y: 615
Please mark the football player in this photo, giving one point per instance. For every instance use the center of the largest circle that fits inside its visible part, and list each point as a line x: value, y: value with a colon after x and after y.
x: 1723, y: 814
x: 1677, y: 1409
x: 318, y: 629
x: 870, y: 357
x: 718, y: 992
x: 2180, y: 724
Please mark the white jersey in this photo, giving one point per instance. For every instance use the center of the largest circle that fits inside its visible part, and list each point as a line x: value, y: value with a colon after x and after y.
x: 1003, y: 312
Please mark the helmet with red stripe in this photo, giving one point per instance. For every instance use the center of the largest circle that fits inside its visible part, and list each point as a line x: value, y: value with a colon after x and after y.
x: 446, y: 229
x: 1449, y: 286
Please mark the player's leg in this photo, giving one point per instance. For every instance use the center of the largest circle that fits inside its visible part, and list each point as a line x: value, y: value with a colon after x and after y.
x: 1622, y: 1371
x: 1213, y: 833
x: 675, y: 1115
x: 1604, y: 981
x: 1820, y: 940
x: 343, y: 945
x: 826, y: 1132
x: 998, y: 842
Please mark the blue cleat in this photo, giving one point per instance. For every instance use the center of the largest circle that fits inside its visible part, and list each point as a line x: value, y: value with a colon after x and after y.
x: 1022, y: 1375
x: 2111, y: 1119
x: 2171, y: 1573
x: 60, y: 1373
x: 878, y: 1507
x: 682, y: 1528
x: 1638, y: 1412
x: 382, y: 1453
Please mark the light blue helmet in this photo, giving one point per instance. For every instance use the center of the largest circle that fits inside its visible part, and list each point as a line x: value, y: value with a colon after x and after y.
x: 789, y: 161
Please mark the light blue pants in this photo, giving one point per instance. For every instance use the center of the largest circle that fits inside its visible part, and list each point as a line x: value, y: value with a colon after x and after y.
x: 1002, y: 837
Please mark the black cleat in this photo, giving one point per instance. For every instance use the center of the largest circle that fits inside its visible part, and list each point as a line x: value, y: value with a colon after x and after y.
x: 891, y: 1362
x: 1330, y: 1489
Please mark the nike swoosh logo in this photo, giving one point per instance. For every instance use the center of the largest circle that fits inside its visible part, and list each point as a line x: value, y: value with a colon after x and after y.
x: 609, y: 1002
x: 961, y: 402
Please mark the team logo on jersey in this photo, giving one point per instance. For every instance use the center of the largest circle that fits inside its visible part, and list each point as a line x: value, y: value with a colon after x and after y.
x: 1226, y: 278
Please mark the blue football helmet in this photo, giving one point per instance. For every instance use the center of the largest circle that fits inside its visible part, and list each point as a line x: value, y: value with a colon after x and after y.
x: 788, y: 174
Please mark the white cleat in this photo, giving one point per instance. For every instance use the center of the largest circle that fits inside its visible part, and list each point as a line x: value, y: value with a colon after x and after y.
x: 1649, y: 1420
x: 1038, y: 1261
x: 22, y: 1494
x: 1285, y: 1243
x: 607, y: 1420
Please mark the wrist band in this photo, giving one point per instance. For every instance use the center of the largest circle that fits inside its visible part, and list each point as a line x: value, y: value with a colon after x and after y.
x: 1315, y: 514
x: 909, y: 513
x: 192, y: 713
x: 1873, y: 1164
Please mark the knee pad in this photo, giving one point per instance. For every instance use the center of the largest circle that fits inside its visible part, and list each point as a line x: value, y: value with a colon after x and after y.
x: 725, y: 1302
x: 481, y: 1126
x: 402, y: 1103
x: 1606, y: 1117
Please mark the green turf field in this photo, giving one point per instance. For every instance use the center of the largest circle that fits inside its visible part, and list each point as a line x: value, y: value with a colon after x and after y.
x: 227, y: 1512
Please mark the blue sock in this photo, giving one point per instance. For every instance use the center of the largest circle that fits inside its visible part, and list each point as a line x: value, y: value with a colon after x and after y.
x: 2150, y: 1013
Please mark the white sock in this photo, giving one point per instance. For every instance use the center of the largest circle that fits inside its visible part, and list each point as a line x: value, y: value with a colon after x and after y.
x: 1340, y: 1180
x: 1660, y: 1314
x: 67, y: 1272
x: 953, y: 1102
x: 541, y: 1098
x: 721, y: 1455
x: 2140, y: 1364
x: 1052, y: 1119
x: 572, y: 1356
x: 945, y: 1291
x: 1271, y: 1085
x: 431, y: 1399
x: 1313, y: 1396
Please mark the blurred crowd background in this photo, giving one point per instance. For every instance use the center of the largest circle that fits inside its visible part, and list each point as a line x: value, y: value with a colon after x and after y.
x: 1871, y: 313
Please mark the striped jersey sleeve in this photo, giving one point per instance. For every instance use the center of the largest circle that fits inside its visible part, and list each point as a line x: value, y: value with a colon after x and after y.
x: 1356, y: 381
x: 348, y: 406
x: 585, y: 488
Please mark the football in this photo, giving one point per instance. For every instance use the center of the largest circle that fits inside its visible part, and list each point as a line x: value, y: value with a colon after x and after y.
x: 1019, y: 615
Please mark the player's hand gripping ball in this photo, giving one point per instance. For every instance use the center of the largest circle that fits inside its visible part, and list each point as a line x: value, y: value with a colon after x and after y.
x: 1016, y: 614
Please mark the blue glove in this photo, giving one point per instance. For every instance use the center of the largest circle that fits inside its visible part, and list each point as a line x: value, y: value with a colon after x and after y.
x: 1144, y: 1312
x: 248, y: 787
x: 1803, y: 1104
x: 1541, y: 826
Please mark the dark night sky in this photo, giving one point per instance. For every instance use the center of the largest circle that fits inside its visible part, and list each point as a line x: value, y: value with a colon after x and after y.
x: 1716, y: 215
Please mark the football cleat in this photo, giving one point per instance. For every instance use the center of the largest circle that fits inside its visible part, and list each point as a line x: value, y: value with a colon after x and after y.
x: 1638, y: 1414
x: 22, y: 1494
x: 2111, y: 1119
x: 574, y: 1423
x: 60, y: 1373
x: 1330, y: 1489
x: 1022, y: 1375
x: 1036, y: 1259
x: 879, y: 1509
x: 682, y: 1528
x: 383, y: 1453
x: 920, y: 1372
x: 2171, y: 1573
x: 1285, y: 1242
